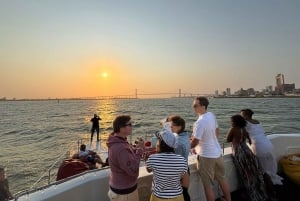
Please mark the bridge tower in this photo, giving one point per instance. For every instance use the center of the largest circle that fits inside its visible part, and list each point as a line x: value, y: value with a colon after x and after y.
x: 136, y: 94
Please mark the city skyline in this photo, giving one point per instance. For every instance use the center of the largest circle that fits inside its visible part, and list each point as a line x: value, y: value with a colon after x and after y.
x: 184, y: 93
x: 66, y: 49
x: 278, y: 88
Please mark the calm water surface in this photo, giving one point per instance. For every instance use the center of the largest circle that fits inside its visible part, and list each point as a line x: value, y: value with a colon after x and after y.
x: 34, y: 133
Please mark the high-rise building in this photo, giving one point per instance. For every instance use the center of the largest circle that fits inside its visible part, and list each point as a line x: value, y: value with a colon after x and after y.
x: 281, y: 87
x: 279, y: 83
x: 228, y: 92
x: 279, y: 80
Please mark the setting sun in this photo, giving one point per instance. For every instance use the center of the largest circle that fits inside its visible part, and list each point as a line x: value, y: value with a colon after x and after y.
x: 104, y: 75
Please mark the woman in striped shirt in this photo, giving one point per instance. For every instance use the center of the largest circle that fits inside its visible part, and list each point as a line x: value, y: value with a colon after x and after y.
x: 170, y: 171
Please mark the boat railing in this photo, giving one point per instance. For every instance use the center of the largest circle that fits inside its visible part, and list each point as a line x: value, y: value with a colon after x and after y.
x: 228, y: 144
x: 27, y: 192
x: 293, y: 150
x: 47, y: 176
x: 148, y: 136
x: 225, y: 145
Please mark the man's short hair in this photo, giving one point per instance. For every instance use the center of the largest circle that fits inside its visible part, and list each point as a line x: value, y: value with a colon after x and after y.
x: 203, y: 101
x: 120, y: 121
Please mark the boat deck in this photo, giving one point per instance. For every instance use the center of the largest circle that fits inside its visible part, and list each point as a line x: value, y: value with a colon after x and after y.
x: 289, y: 191
x: 85, y: 186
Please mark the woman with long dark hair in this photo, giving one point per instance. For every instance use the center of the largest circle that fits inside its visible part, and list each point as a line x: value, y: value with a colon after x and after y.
x: 245, y: 161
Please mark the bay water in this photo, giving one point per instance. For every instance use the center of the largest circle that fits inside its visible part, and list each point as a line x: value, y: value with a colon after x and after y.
x: 33, y: 134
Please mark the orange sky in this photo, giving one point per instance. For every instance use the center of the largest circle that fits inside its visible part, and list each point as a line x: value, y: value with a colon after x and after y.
x: 59, y: 50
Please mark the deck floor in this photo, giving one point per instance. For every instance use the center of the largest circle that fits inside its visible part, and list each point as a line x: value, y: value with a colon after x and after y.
x: 289, y: 191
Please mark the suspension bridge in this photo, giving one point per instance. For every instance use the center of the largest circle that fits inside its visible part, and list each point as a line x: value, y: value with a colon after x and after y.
x: 137, y: 95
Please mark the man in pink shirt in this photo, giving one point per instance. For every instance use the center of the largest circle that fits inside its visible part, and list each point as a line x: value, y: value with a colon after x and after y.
x: 124, y: 161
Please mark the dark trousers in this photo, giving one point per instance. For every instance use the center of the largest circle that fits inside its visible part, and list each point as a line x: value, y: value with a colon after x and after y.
x: 185, y: 193
x: 92, y: 133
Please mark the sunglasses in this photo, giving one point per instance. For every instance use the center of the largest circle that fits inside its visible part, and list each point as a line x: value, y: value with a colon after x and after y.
x: 129, y: 124
x: 195, y: 105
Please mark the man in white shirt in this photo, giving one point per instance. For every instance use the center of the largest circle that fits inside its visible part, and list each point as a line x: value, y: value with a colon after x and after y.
x: 210, y: 161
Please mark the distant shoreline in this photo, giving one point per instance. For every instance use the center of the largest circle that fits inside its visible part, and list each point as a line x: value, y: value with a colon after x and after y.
x: 64, y: 99
x: 256, y: 97
x: 80, y: 99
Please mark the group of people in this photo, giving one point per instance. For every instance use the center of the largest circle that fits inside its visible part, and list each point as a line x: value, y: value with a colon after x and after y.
x: 170, y: 164
x: 251, y: 150
x: 256, y: 164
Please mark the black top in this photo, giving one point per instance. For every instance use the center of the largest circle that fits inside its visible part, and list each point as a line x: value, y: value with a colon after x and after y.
x: 95, y: 121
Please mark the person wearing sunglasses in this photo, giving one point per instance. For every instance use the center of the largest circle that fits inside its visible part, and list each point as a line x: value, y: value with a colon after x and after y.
x: 210, y: 160
x: 124, y: 161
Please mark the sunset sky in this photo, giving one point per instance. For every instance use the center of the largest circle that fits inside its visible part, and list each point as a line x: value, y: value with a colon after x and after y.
x: 65, y: 49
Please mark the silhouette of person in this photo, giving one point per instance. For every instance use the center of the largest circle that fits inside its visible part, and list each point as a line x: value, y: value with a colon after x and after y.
x: 95, y: 126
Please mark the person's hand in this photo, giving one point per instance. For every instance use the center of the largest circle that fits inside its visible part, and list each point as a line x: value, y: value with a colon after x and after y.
x: 139, y: 143
x: 193, y: 151
x: 133, y: 146
x: 146, y: 156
